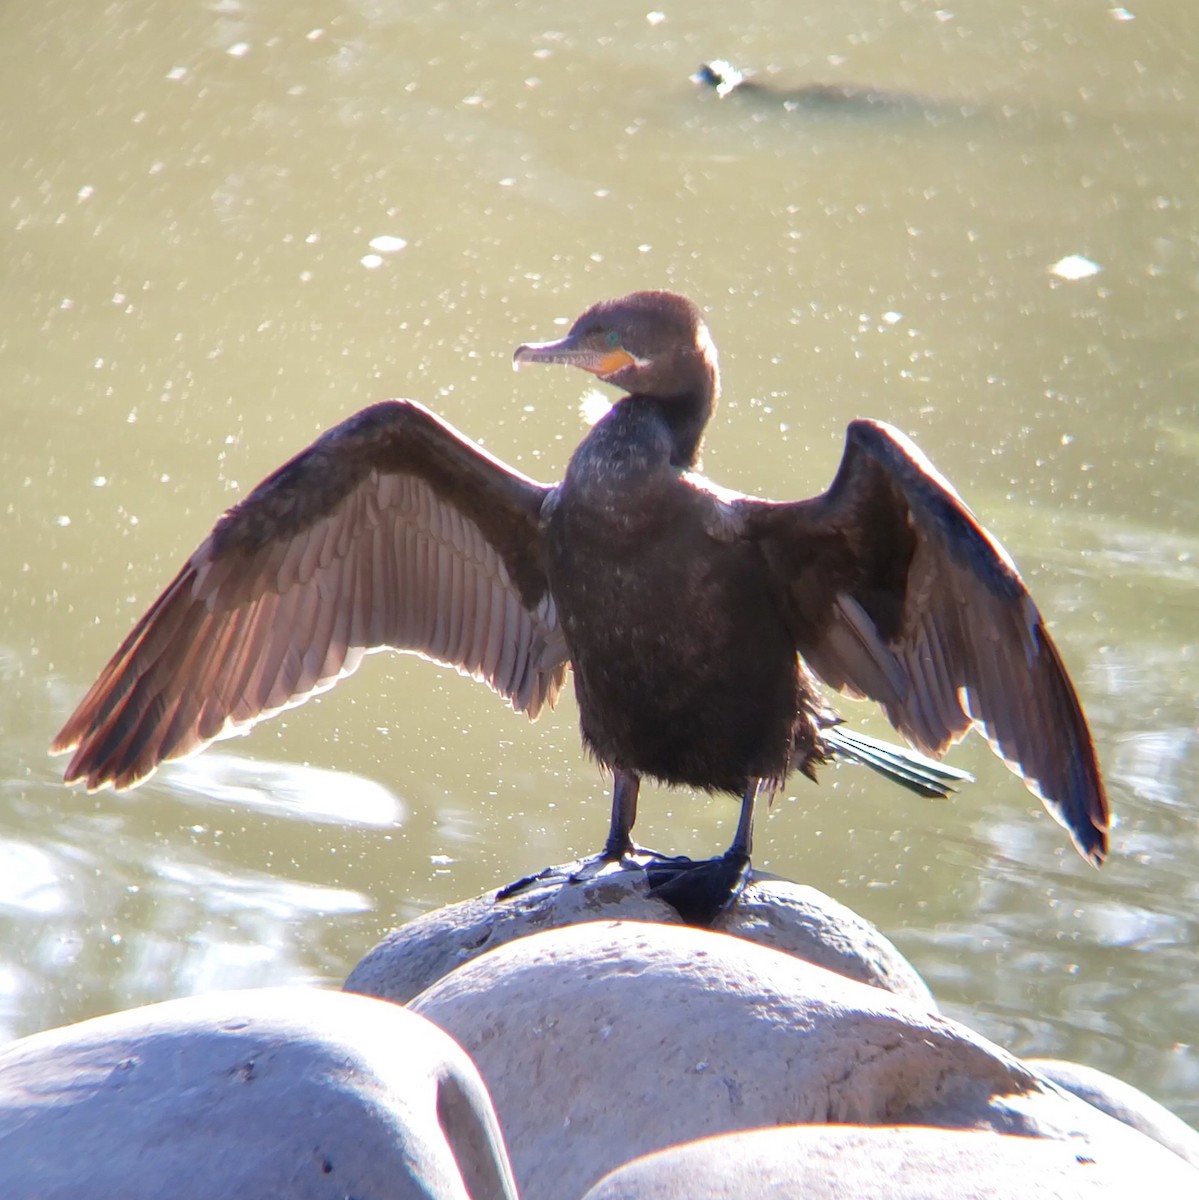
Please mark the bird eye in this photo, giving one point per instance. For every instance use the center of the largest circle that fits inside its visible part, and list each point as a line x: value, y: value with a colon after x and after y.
x: 612, y: 338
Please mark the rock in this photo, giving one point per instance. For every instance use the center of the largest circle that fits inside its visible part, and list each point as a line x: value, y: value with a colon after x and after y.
x: 772, y: 912
x: 609, y: 1040
x: 831, y: 1162
x: 1124, y: 1102
x: 277, y: 1092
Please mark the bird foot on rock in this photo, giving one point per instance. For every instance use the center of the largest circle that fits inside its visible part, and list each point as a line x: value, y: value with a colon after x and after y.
x: 510, y: 889
x: 588, y: 868
x: 636, y: 853
x: 699, y: 891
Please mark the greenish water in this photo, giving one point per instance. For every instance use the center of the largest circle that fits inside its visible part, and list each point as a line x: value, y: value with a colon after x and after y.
x: 189, y: 196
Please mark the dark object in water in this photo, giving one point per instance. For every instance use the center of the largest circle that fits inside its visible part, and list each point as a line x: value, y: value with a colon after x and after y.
x: 696, y: 621
x: 847, y: 98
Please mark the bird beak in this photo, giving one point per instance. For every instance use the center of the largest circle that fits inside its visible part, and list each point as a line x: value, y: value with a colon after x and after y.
x: 599, y: 362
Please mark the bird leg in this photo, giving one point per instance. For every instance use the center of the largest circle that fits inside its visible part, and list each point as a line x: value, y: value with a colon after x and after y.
x: 619, y: 845
x: 743, y: 839
x: 700, y: 891
x: 625, y: 786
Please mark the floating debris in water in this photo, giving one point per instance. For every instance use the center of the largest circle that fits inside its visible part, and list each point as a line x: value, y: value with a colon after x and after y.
x: 1074, y: 266
x: 387, y: 243
x: 721, y: 75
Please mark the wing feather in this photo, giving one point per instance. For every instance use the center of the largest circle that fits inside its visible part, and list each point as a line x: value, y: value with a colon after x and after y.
x: 390, y: 531
x: 896, y: 592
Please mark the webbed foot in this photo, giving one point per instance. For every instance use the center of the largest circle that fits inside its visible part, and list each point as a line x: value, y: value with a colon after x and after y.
x: 699, y: 891
x: 587, y: 868
x: 510, y: 889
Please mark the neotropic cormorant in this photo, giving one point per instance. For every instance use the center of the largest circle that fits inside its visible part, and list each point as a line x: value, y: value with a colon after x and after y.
x: 696, y: 621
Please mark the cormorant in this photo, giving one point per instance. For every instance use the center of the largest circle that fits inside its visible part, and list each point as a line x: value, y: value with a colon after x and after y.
x: 696, y: 621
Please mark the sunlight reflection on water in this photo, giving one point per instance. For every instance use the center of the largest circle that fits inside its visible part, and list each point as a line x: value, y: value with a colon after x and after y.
x: 285, y: 789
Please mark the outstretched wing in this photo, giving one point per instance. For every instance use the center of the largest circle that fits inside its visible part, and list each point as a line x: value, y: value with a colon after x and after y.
x: 895, y: 591
x: 391, y: 530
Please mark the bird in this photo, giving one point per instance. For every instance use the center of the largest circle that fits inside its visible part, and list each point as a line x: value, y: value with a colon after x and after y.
x: 699, y: 624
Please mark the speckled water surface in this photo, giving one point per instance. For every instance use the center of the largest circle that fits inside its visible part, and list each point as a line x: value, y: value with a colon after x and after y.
x: 225, y: 226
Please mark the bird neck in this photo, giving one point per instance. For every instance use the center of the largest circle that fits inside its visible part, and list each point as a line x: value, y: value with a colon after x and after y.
x: 685, y: 417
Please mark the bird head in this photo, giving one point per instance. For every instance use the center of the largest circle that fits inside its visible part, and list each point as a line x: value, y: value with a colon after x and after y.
x: 647, y: 343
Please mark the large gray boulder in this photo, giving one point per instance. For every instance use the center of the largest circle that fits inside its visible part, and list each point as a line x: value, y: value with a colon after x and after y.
x: 1122, y: 1101
x: 609, y: 1040
x: 772, y: 912
x: 833, y: 1162
x: 281, y: 1092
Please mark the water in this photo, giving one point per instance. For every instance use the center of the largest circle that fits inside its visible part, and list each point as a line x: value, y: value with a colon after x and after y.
x: 190, y: 198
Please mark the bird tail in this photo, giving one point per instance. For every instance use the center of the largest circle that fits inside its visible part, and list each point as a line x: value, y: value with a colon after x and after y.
x: 908, y: 768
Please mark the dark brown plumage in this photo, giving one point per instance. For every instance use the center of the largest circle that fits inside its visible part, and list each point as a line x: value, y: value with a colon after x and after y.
x: 687, y: 614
